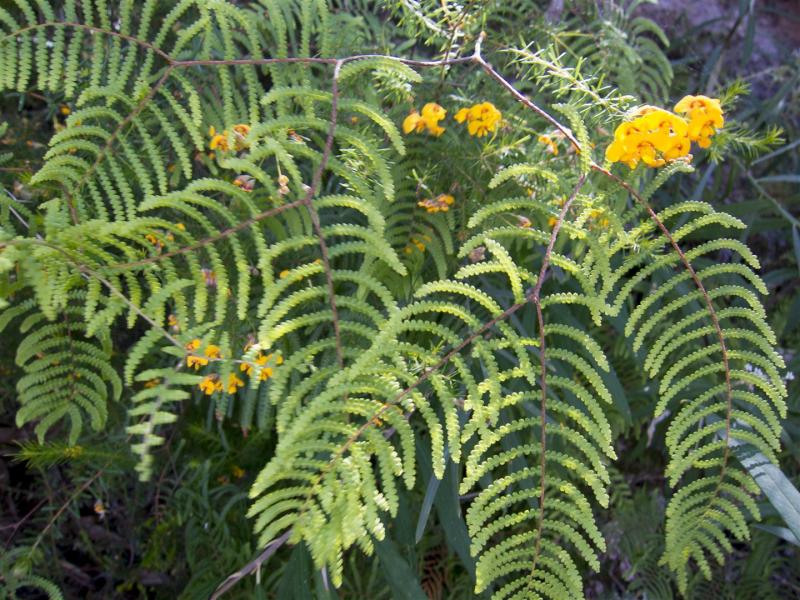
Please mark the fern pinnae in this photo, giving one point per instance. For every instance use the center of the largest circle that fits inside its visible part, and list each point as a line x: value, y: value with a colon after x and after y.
x: 694, y: 534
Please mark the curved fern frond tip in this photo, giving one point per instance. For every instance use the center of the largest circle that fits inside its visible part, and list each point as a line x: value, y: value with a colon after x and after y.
x: 728, y: 391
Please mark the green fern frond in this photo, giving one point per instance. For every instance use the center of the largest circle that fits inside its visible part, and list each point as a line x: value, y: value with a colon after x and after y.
x: 728, y: 389
x: 66, y: 375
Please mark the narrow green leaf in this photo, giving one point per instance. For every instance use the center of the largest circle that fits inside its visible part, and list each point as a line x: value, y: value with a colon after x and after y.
x: 781, y: 532
x: 397, y: 572
x: 783, y: 496
x: 427, y: 504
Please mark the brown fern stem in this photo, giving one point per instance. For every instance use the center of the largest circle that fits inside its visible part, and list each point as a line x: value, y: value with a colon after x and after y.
x: 225, y: 233
x: 314, y: 214
x: 706, y: 299
x: 535, y: 298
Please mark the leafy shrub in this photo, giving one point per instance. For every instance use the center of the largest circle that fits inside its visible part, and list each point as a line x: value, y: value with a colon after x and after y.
x: 390, y: 264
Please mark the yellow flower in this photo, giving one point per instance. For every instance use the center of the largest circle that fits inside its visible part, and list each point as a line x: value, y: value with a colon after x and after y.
x: 219, y: 141
x: 478, y: 128
x: 654, y: 137
x: 181, y: 226
x: 234, y: 383
x: 237, y: 472
x: 65, y: 110
x: 432, y: 113
x: 679, y: 149
x: 413, y: 122
x: 415, y: 243
x: 283, y: 273
x: 692, y: 103
x: 441, y: 203
x: 154, y: 239
x: 481, y: 118
x: 705, y: 117
x: 552, y: 148
x: 210, y: 384
x: 212, y: 351
x: 193, y: 345
x: 152, y: 383
x: 435, y: 129
x: 261, y: 361
x: 196, y: 361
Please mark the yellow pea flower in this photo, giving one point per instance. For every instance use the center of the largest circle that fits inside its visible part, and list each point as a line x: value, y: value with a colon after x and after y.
x: 212, y: 351
x: 481, y: 118
x: 413, y: 122
x: 462, y: 115
x: 442, y: 203
x: 428, y: 120
x: 552, y: 147
x: 196, y: 361
x: 210, y: 384
x: 234, y: 383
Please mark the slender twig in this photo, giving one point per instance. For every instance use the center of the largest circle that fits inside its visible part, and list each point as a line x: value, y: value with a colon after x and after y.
x: 64, y: 506
x: 522, y: 98
x: 253, y: 565
x: 16, y: 526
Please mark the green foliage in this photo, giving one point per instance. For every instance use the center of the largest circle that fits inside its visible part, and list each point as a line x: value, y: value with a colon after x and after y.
x: 375, y: 339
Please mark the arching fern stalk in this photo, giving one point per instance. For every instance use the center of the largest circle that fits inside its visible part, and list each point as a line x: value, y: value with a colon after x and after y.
x: 728, y: 390
x: 281, y: 258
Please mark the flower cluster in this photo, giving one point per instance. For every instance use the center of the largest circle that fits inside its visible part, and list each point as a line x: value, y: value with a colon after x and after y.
x: 481, y: 118
x: 656, y: 136
x: 195, y: 360
x: 441, y: 203
x: 219, y: 141
x: 705, y: 117
x: 262, y: 362
x: 157, y: 237
x: 429, y: 119
x: 417, y: 243
x: 213, y: 383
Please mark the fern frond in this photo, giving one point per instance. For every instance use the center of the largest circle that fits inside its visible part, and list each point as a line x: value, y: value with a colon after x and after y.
x: 66, y: 375
x: 727, y: 390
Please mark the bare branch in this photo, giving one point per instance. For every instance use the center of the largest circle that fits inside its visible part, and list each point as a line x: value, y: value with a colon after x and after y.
x: 253, y: 565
